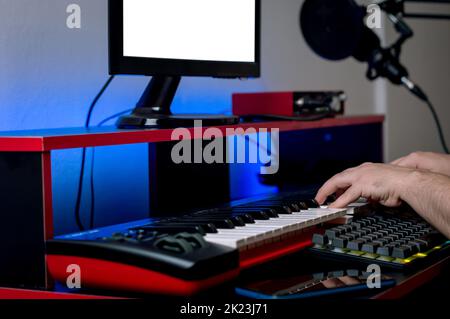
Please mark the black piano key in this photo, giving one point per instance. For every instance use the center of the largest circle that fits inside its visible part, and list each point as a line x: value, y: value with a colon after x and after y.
x: 220, y: 223
x: 236, y: 220
x: 257, y: 214
x: 293, y: 206
x: 245, y: 217
x: 268, y: 211
x: 171, y: 229
x: 311, y: 203
x: 208, y: 227
x: 276, y: 208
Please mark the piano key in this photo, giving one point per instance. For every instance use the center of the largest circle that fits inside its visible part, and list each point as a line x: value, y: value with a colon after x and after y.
x: 208, y: 227
x: 235, y: 220
x: 172, y: 229
x: 284, y: 204
x: 269, y: 211
x: 219, y: 222
x: 271, y: 229
x: 259, y: 215
x: 245, y: 217
x: 277, y: 209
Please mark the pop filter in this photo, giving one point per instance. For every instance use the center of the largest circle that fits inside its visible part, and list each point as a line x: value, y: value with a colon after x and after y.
x: 332, y: 28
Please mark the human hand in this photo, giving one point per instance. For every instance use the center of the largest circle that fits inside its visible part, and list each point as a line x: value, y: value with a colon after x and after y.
x: 376, y: 182
x: 433, y: 162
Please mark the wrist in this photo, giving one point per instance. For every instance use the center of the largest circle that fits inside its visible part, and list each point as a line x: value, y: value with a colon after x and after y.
x: 414, y: 182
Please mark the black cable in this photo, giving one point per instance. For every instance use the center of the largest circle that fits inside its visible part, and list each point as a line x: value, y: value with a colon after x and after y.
x: 91, y: 179
x: 80, y: 190
x: 94, y: 102
x: 438, y: 125
x: 83, y: 154
x: 92, y: 190
x: 112, y: 117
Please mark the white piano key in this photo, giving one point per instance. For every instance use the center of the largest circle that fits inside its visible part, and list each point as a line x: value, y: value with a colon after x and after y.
x: 253, y: 235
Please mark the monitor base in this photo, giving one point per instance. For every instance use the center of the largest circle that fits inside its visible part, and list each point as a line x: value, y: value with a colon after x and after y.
x: 153, y: 109
x: 135, y: 121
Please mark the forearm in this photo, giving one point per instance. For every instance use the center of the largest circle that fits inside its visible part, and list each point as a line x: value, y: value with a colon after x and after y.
x: 429, y: 195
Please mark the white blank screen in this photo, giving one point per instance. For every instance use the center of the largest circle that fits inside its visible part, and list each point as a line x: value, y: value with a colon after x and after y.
x: 209, y: 30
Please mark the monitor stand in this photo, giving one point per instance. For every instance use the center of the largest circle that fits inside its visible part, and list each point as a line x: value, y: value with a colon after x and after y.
x: 153, y: 109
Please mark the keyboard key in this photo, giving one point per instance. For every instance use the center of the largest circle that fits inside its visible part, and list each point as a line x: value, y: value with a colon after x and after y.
x: 340, y: 242
x: 385, y: 250
x: 381, y: 241
x: 356, y: 244
x: 370, y: 237
x: 423, y: 245
x: 370, y: 248
x: 320, y: 239
x: 402, y: 252
x: 334, y: 232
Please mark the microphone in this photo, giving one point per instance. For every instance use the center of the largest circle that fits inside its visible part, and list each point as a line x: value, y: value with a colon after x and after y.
x: 336, y: 30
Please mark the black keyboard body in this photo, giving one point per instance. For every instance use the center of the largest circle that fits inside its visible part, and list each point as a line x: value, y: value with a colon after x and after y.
x: 395, y: 238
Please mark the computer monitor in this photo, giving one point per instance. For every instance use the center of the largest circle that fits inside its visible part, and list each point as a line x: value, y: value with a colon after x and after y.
x: 168, y: 39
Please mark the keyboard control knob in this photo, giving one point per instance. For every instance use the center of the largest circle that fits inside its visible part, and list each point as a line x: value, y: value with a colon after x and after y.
x: 174, y: 245
x: 196, y: 240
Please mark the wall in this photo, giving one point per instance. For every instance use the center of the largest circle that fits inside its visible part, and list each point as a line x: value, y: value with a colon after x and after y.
x: 410, y: 126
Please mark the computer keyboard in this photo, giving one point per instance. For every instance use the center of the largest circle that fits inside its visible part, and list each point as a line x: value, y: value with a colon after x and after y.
x: 392, y: 238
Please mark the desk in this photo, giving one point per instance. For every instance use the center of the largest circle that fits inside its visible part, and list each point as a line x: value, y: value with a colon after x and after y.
x: 25, y: 167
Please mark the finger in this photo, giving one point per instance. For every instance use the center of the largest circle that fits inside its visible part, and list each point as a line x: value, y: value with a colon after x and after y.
x: 329, y: 188
x: 332, y: 283
x: 398, y: 161
x: 349, y: 281
x: 350, y: 196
